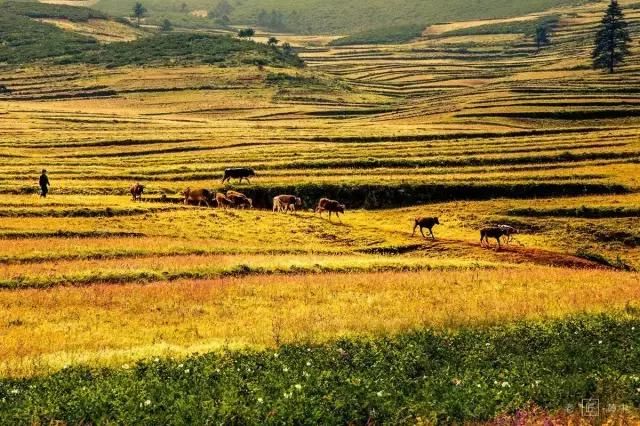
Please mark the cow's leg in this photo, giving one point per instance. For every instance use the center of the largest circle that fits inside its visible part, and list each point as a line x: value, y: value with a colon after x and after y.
x: 248, y: 181
x: 422, y: 232
x: 414, y: 230
x: 498, y: 246
x: 431, y: 232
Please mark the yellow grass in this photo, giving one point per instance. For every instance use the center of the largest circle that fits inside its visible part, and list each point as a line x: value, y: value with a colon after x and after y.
x: 107, y: 325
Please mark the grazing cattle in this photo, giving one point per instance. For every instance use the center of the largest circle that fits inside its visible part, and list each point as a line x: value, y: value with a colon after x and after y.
x: 425, y: 222
x: 136, y: 191
x: 198, y: 196
x: 509, y: 232
x: 239, y: 200
x: 238, y: 173
x: 331, y: 206
x: 285, y: 203
x: 222, y: 201
x: 491, y: 232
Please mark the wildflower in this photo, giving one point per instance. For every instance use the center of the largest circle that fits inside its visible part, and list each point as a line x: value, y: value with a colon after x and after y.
x: 599, y: 342
x: 180, y: 365
x: 276, y: 355
x: 156, y: 360
x: 15, y: 391
x: 308, y: 363
x: 186, y: 371
x: 488, y: 344
x: 298, y: 386
x: 287, y: 395
x: 380, y: 393
x: 147, y: 402
x: 285, y: 369
x: 506, y: 385
x: 260, y: 400
x: 125, y: 366
x: 305, y: 374
x: 456, y: 381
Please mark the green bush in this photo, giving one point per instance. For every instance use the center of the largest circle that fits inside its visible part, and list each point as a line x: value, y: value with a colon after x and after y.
x: 445, y: 378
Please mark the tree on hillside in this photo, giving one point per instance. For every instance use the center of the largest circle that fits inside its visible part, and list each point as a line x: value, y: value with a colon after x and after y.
x: 184, y: 8
x: 139, y: 11
x: 273, y: 41
x: 246, y: 33
x: 542, y: 36
x: 611, y: 39
x: 287, y: 49
x: 166, y: 25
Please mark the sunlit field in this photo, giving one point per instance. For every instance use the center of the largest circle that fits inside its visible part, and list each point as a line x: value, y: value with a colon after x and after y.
x: 473, y: 126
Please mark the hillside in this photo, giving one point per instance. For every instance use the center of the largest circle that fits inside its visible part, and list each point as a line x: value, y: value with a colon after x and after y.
x: 66, y: 35
x: 335, y: 16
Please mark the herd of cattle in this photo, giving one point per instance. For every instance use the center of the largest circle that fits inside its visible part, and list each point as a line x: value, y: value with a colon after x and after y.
x: 291, y: 203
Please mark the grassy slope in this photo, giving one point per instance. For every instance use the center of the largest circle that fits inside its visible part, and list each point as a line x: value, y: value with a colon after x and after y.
x: 26, y: 40
x: 436, y: 378
x: 334, y: 16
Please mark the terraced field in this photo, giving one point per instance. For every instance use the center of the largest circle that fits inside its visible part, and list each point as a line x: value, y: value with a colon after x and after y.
x: 475, y: 129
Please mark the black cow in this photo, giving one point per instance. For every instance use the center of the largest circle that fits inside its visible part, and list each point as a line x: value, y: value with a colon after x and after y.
x: 238, y: 173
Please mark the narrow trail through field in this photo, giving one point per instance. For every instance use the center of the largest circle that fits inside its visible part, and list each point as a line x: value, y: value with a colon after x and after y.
x: 512, y: 254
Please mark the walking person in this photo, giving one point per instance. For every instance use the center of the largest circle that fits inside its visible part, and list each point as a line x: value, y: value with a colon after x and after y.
x: 44, y: 184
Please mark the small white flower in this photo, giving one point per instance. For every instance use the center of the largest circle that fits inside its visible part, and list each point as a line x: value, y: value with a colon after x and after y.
x: 260, y: 400
x: 287, y: 395
x: 599, y: 342
x: 186, y: 371
x: 308, y: 363
x: 479, y: 385
x: 506, y: 385
x: 380, y: 393
x: 285, y: 369
x: 157, y: 360
x: 147, y: 402
x: 15, y: 391
x: 298, y: 386
x: 276, y: 355
x: 180, y: 365
x: 488, y: 344
x: 125, y: 366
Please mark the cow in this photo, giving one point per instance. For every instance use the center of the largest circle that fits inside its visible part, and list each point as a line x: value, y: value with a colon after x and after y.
x: 491, y: 232
x: 198, y: 196
x: 510, y: 231
x: 136, y: 191
x: 285, y: 203
x: 425, y: 222
x: 331, y: 206
x: 239, y: 200
x: 222, y: 201
x: 238, y: 173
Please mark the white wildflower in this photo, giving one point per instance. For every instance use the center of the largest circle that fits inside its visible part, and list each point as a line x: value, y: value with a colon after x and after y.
x: 186, y: 371
x: 298, y: 386
x: 125, y: 366
x: 506, y: 385
x: 260, y: 400
x: 308, y: 363
x: 287, y: 395
x: 15, y: 391
x: 380, y: 393
x: 147, y: 402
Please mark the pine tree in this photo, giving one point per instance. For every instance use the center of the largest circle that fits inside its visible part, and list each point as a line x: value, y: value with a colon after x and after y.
x: 542, y: 36
x: 139, y: 11
x: 612, y: 39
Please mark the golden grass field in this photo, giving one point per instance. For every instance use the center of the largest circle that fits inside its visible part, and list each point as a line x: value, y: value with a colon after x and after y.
x: 89, y: 276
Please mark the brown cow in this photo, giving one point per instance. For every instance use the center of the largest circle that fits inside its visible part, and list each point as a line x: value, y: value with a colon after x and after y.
x: 239, y: 200
x: 331, y: 206
x: 425, y: 222
x: 285, y: 203
x: 222, y: 201
x: 136, y: 191
x: 198, y: 195
x: 491, y: 232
